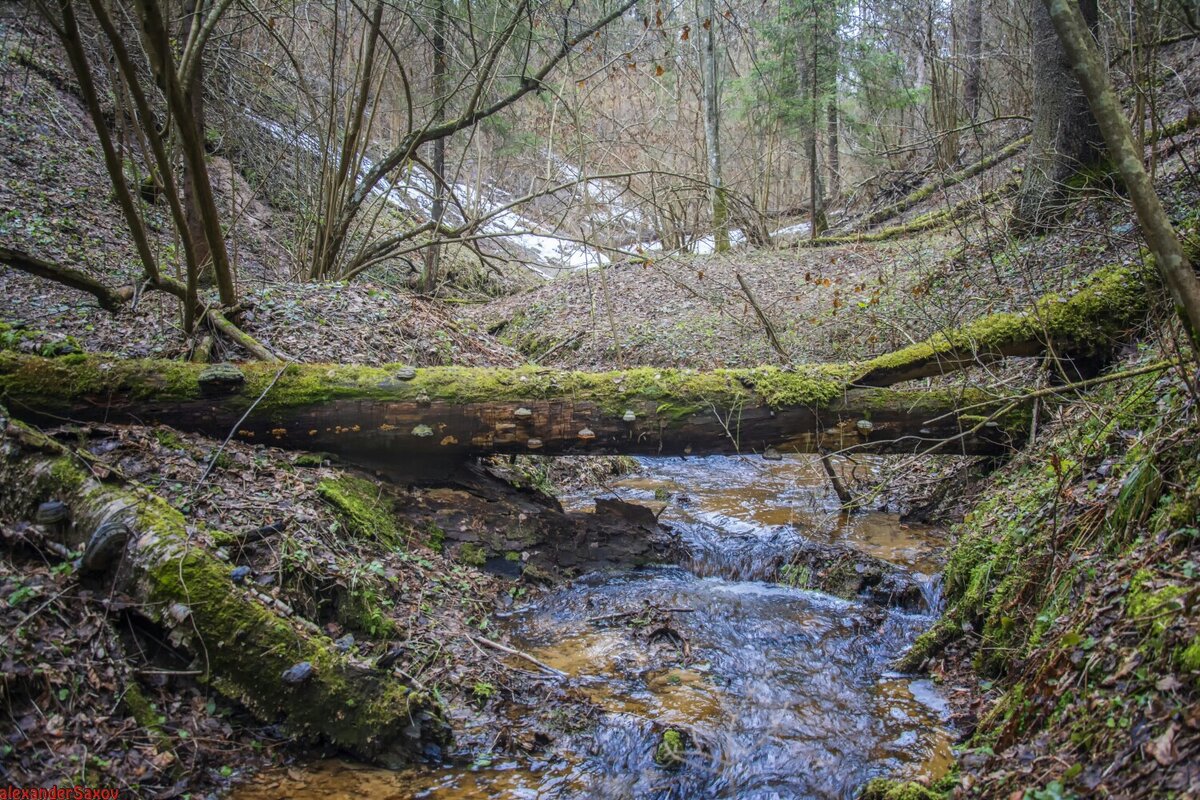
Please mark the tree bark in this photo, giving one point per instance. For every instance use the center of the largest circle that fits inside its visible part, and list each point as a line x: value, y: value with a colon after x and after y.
x: 194, y: 95
x: 973, y: 76
x: 712, y: 127
x: 437, y: 208
x: 1065, y: 136
x: 1170, y: 258
x: 832, y: 160
x: 109, y: 299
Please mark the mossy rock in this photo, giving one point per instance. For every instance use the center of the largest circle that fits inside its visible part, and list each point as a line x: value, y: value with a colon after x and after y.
x: 473, y: 554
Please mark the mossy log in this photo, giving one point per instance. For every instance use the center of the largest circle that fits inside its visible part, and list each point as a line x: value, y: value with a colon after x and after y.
x: 925, y: 222
x: 240, y: 644
x: 403, y: 418
x: 1082, y: 325
x: 953, y: 179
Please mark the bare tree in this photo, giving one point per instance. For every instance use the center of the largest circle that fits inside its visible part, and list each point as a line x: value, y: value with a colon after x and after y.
x: 712, y: 125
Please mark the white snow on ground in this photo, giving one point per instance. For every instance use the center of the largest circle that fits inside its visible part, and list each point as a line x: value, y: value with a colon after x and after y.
x: 506, y: 227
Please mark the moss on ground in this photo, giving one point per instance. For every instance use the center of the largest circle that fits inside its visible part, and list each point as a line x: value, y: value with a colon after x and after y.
x: 363, y: 507
x: 883, y: 789
x: 1072, y: 575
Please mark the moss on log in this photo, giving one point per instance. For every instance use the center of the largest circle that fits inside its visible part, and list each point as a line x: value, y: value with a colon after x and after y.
x: 925, y: 222
x: 242, y: 646
x: 388, y: 416
x: 1089, y: 322
x: 953, y: 179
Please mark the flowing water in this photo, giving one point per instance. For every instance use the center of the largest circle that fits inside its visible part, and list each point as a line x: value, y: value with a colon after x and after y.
x: 779, y: 692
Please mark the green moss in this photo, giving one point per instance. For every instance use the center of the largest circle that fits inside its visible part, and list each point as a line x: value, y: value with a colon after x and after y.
x: 169, y: 439
x: 363, y: 608
x: 884, y: 789
x: 49, y: 383
x: 473, y: 554
x: 1153, y: 603
x: 142, y: 710
x: 671, y: 749
x: 1112, y: 301
x: 364, y: 509
x: 1189, y: 657
x: 435, y: 537
x: 309, y: 460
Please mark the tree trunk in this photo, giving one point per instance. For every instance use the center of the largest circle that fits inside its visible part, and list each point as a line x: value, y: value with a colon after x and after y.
x: 242, y: 641
x: 437, y: 210
x: 818, y: 222
x: 1065, y: 136
x: 973, y: 75
x: 832, y: 162
x: 194, y: 94
x: 1170, y: 258
x: 712, y: 126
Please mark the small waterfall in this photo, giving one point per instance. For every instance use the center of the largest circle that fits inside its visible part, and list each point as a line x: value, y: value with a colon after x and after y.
x: 931, y: 591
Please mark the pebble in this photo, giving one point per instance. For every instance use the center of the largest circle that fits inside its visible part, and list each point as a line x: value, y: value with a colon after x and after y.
x: 239, y: 574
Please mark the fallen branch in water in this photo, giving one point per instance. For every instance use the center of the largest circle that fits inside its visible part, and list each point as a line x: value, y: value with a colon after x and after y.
x: 513, y: 652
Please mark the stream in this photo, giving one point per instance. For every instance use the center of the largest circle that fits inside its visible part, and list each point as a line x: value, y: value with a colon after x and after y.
x: 780, y: 692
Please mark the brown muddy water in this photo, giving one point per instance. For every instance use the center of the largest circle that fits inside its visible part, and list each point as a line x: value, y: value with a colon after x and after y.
x: 784, y: 692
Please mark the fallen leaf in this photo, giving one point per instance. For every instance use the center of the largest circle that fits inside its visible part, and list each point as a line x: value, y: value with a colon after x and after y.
x: 1162, y: 747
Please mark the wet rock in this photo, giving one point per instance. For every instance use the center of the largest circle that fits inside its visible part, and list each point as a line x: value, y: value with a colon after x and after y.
x: 630, y: 512
x: 345, y: 643
x: 516, y: 530
x: 835, y: 569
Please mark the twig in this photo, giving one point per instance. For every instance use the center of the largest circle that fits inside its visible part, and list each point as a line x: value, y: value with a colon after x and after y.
x: 762, y: 316
x: 506, y: 649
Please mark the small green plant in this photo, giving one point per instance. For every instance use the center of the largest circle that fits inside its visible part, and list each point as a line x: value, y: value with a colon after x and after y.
x: 482, y: 691
x: 168, y: 439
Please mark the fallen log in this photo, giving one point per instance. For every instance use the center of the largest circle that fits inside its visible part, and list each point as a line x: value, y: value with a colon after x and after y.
x: 396, y: 417
x: 925, y: 192
x: 1083, y: 325
x: 279, y: 669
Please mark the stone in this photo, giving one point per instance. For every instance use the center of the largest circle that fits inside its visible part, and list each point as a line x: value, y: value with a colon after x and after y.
x: 298, y: 674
